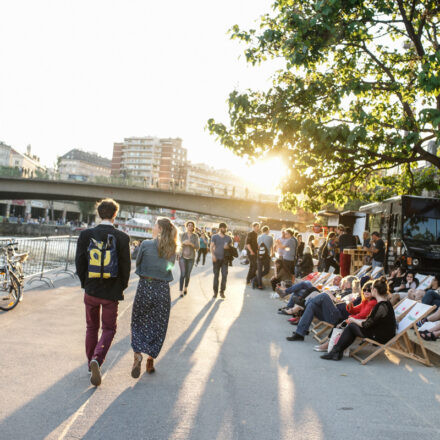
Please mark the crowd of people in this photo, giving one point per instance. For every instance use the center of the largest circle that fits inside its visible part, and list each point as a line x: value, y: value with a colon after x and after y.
x: 361, y: 306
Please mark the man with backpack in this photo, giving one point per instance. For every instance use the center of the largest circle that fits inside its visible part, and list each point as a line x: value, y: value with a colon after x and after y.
x: 103, y: 266
x: 265, y: 253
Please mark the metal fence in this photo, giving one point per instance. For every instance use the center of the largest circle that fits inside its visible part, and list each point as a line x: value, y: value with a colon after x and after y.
x: 46, y: 254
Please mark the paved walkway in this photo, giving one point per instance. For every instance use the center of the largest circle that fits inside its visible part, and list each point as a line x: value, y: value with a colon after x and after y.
x: 225, y: 372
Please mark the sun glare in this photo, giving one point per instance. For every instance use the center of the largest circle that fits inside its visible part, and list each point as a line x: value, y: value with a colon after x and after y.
x: 266, y: 175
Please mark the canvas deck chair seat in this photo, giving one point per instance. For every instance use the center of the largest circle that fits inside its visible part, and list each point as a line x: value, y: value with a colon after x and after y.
x: 364, y: 270
x: 401, y: 343
x: 320, y: 279
x: 376, y: 273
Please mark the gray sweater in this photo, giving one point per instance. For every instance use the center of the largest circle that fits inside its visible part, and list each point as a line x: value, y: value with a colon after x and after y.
x: 149, y: 264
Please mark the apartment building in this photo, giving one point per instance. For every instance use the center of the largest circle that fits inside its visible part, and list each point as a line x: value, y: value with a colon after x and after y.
x: 159, y: 163
x: 82, y: 165
x: 27, y: 163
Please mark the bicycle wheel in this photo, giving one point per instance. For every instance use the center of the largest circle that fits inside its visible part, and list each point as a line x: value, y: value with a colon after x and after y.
x: 11, y: 297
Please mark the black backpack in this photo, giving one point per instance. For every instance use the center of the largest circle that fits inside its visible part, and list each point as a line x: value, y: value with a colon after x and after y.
x: 262, y: 251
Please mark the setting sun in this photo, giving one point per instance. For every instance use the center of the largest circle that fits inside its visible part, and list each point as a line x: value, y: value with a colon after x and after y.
x: 266, y: 175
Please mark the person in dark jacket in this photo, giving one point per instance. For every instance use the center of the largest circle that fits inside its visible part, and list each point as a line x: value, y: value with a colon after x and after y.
x: 306, y: 265
x: 380, y: 325
x: 102, y: 290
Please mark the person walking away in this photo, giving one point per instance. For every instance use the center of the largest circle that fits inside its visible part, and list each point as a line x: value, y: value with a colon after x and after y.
x: 151, y: 306
x: 190, y: 245
x: 219, y: 242
x: 103, y: 266
x: 252, y: 250
x: 265, y: 254
x: 289, y: 247
x: 203, y: 248
x: 377, y: 247
x: 346, y: 241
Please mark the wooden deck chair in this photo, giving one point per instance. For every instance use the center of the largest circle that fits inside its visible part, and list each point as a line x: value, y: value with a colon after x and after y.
x: 401, y: 343
x: 321, y: 279
x: 420, y: 277
x: 376, y: 273
x: 329, y: 280
x: 362, y: 271
x: 426, y: 283
x: 319, y: 330
x: 402, y: 308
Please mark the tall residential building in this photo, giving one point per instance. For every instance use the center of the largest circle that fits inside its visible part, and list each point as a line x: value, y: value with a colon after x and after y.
x: 82, y: 165
x: 157, y: 162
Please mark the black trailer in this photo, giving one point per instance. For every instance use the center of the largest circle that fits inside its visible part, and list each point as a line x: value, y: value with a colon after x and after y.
x: 410, y: 227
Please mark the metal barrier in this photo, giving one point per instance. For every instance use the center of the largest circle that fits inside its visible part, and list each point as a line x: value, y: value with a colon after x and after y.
x: 46, y: 254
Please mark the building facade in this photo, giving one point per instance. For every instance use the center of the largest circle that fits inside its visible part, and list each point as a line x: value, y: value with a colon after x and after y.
x: 82, y: 166
x: 26, y: 163
x: 156, y: 162
x: 202, y: 179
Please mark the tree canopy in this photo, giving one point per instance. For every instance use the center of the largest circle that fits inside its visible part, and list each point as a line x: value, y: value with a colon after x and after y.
x: 358, y: 96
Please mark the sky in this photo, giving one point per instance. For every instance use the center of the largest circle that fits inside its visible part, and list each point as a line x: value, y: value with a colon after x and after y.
x: 86, y: 74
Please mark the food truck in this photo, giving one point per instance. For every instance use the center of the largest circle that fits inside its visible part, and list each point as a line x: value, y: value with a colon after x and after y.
x: 410, y: 227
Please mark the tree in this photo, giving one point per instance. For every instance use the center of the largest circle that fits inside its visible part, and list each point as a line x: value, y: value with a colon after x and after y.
x: 359, y: 95
x: 86, y: 208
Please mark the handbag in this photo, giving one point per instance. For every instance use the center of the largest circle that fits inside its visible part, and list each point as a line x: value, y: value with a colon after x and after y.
x: 336, y: 334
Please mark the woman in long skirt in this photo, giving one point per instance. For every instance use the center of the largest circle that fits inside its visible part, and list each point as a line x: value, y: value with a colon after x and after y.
x: 151, y: 307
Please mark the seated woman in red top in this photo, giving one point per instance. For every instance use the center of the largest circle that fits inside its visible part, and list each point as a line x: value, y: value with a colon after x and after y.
x: 361, y: 311
x: 380, y: 324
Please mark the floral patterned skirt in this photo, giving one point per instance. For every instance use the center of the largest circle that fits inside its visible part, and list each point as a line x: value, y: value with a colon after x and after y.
x: 150, y: 315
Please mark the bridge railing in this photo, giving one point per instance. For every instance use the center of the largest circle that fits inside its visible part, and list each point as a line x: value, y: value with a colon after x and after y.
x: 46, y: 255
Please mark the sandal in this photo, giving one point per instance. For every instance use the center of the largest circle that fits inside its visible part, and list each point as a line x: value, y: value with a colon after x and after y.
x: 428, y: 336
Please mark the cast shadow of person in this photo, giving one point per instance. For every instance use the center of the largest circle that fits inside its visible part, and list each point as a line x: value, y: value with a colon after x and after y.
x: 234, y: 395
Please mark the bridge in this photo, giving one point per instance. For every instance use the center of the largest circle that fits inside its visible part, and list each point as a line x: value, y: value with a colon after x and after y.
x: 233, y: 208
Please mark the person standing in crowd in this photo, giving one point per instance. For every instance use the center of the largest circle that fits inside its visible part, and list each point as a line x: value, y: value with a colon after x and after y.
x: 281, y: 241
x: 377, y: 248
x: 236, y: 241
x: 301, y: 246
x: 311, y: 244
x: 219, y: 242
x: 265, y: 254
x: 190, y: 245
x: 252, y: 250
x: 103, y: 266
x: 306, y: 264
x: 203, y: 249
x: 289, y: 247
x: 366, y: 239
x: 329, y: 253
x: 346, y: 241
x: 151, y: 306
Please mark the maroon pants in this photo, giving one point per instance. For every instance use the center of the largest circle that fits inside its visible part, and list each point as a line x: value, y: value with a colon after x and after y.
x: 344, y: 264
x: 98, y: 349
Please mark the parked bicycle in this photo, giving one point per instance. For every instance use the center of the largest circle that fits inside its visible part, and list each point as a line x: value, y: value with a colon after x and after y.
x: 11, y: 275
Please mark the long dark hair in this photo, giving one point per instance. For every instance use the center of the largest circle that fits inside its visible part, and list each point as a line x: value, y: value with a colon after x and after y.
x: 167, y: 240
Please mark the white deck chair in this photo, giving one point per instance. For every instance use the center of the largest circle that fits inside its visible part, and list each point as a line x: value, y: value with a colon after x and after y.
x: 362, y: 271
x: 401, y: 343
x: 426, y: 283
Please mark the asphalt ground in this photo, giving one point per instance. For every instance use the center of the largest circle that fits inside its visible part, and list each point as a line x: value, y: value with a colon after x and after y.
x: 225, y: 372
